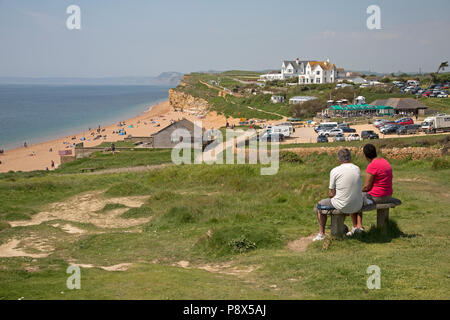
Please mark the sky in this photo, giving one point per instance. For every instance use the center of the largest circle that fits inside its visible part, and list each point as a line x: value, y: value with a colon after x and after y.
x: 147, y: 37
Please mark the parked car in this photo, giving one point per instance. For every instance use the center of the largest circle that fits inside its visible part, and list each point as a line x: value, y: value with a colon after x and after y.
x: 271, y: 137
x: 386, y: 123
x: 392, y: 128
x: 369, y: 134
x: 404, y: 121
x: 348, y: 129
x: 442, y: 95
x: 339, y: 137
x: 409, y: 129
x: 322, y: 138
x: 353, y: 137
x: 335, y: 132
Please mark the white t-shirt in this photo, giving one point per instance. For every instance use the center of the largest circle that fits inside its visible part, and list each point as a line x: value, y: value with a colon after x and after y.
x: 346, y: 180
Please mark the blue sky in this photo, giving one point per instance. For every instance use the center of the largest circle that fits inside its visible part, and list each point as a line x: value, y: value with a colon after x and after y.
x: 144, y: 38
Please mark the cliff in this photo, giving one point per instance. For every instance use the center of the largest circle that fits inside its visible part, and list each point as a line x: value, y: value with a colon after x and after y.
x: 187, y: 103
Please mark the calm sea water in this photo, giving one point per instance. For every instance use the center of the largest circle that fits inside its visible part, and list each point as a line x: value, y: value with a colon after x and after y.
x: 35, y: 113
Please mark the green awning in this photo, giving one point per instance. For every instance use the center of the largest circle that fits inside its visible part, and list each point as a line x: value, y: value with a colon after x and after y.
x: 358, y: 107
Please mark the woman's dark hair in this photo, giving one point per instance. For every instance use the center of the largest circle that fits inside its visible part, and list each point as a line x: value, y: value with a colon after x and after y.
x: 370, y: 151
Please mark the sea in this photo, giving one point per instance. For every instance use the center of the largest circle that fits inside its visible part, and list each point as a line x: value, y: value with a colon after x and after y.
x: 37, y: 113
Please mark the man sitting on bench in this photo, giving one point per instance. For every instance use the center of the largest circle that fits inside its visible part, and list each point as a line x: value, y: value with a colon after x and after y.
x: 344, y: 191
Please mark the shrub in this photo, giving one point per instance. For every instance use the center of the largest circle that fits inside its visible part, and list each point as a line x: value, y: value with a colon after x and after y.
x: 290, y: 157
x: 440, y: 164
x: 239, y: 239
x: 241, y: 244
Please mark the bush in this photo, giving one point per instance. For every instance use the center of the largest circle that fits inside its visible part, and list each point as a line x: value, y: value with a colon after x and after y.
x: 307, y: 108
x: 440, y: 164
x: 290, y: 157
x: 239, y: 239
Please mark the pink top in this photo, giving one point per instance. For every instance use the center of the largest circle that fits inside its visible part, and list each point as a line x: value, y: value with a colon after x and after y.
x: 382, y: 182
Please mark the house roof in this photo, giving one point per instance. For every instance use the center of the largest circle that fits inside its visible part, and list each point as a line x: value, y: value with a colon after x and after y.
x: 294, y: 63
x: 324, y: 65
x: 184, y: 122
x: 400, y: 103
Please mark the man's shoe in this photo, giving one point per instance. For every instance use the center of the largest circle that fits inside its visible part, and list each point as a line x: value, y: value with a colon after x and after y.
x: 319, y: 237
x: 359, y: 231
x: 351, y: 232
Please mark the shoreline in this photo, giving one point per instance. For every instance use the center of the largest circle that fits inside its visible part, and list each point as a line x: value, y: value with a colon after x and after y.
x: 77, y: 130
x: 39, y: 156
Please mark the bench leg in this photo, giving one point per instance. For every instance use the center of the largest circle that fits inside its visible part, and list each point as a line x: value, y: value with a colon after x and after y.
x: 382, y: 217
x: 337, y: 225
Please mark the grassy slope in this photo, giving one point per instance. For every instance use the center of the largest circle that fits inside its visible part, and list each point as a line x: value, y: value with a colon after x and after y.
x: 243, y: 209
x: 237, y: 107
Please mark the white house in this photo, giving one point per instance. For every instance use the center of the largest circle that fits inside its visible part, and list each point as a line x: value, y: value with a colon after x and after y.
x: 318, y: 72
x: 300, y: 99
x: 310, y: 71
x: 277, y: 99
x: 291, y: 69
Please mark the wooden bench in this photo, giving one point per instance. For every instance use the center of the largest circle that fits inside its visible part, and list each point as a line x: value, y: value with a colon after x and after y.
x: 87, y: 169
x: 337, y: 217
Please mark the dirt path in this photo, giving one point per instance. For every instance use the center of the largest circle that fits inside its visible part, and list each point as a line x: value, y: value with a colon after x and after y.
x: 268, y: 112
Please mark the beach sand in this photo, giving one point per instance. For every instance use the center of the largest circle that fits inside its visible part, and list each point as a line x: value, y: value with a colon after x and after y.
x: 39, y: 156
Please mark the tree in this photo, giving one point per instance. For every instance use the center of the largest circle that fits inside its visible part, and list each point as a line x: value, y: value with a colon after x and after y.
x: 442, y: 66
x: 308, y: 108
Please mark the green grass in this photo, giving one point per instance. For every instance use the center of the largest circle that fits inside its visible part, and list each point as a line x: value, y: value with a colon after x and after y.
x: 134, y: 213
x: 112, y: 206
x: 99, y: 161
x: 231, y: 218
x: 439, y: 104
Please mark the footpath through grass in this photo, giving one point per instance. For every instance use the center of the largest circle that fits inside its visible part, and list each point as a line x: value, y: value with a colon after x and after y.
x: 221, y: 232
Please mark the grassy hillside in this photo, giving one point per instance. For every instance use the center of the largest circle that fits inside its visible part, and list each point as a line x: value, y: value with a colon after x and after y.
x: 246, y: 93
x: 221, y: 232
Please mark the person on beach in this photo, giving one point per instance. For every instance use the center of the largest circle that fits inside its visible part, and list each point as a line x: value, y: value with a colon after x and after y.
x: 52, y: 164
x: 25, y: 144
x: 344, y: 191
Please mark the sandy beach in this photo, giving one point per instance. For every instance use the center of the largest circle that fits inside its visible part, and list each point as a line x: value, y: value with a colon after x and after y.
x: 39, y: 156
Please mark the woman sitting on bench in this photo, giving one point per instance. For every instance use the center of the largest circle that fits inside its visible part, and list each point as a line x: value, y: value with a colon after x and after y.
x: 378, y: 185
